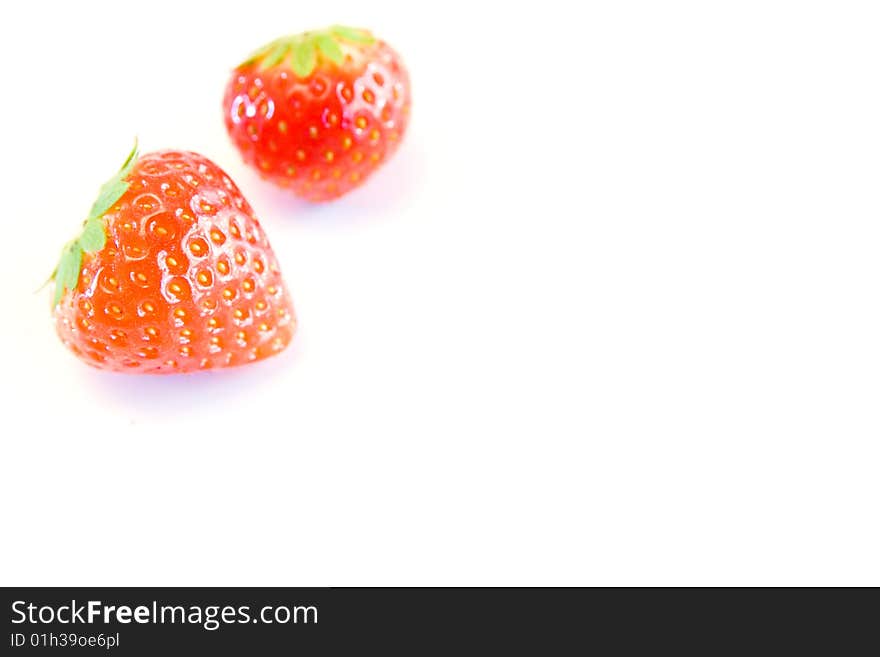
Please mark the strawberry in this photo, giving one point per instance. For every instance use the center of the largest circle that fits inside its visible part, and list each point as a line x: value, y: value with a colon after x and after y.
x: 171, y: 273
x: 318, y: 112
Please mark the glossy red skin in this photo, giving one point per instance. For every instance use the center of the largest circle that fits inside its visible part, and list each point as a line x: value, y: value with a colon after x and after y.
x: 326, y: 134
x: 186, y: 280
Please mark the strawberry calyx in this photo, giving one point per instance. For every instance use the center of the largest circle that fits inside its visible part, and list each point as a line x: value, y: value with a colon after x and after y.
x: 92, y: 238
x: 303, y: 49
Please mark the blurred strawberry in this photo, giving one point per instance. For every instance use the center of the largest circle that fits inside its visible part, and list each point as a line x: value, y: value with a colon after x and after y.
x: 318, y: 112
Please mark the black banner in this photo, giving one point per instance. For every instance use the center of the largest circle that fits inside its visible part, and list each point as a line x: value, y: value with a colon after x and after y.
x: 269, y: 621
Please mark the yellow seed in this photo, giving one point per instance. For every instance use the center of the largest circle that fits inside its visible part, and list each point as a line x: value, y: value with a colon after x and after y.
x: 346, y: 142
x: 361, y: 122
x: 328, y: 156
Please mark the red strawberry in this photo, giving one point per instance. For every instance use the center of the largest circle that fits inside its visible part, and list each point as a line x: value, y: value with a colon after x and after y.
x: 172, y: 273
x: 319, y: 112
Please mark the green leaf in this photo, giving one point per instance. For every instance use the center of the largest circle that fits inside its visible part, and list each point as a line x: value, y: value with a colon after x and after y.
x: 303, y: 48
x: 263, y: 50
x: 305, y: 57
x: 113, y: 189
x: 331, y: 50
x: 275, y: 54
x: 93, y: 237
x: 255, y: 55
x: 67, y: 274
x: 352, y: 34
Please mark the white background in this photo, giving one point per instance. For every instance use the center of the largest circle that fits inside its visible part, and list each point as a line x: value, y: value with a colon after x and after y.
x: 610, y: 315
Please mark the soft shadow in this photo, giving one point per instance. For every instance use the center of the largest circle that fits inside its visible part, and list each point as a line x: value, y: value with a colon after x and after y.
x: 179, y: 394
x: 390, y: 189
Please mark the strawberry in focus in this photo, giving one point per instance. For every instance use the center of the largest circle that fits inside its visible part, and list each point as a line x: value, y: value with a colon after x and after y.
x: 318, y: 112
x: 172, y: 273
